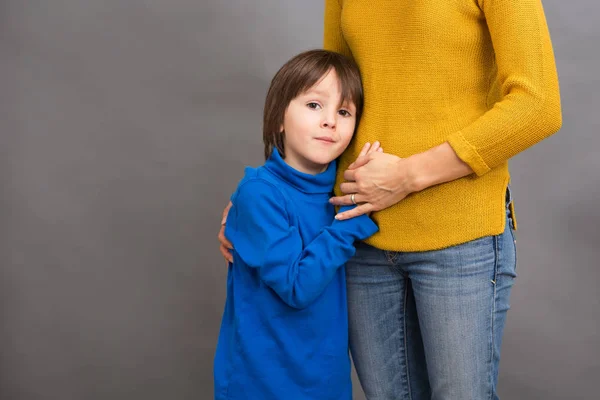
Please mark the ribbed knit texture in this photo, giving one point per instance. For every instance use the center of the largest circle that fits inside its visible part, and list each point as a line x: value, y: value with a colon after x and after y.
x: 479, y: 74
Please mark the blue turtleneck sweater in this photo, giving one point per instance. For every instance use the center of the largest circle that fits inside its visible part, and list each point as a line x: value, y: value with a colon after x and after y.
x: 284, y: 333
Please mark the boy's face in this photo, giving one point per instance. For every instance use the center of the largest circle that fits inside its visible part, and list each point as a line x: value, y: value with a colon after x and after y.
x: 317, y: 129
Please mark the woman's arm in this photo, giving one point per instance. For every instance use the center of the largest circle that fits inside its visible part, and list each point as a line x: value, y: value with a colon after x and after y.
x: 381, y: 180
x: 528, y: 112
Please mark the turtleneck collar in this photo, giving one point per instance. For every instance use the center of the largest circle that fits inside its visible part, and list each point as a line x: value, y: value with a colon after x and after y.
x: 307, y: 183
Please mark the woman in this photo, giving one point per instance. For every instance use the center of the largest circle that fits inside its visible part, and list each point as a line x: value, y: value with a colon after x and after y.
x: 453, y: 89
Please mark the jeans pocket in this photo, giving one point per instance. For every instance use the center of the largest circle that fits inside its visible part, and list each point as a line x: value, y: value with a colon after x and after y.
x: 507, y: 251
x: 513, y: 235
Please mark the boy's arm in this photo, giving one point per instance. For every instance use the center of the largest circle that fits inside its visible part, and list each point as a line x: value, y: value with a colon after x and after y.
x: 260, y: 230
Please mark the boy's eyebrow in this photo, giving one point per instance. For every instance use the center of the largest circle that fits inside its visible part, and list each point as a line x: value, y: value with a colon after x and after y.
x: 318, y: 92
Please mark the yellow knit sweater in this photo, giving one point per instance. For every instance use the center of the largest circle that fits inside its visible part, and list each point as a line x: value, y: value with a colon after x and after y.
x: 478, y: 74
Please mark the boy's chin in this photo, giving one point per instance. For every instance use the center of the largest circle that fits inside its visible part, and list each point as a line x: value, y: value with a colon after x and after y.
x: 324, y: 159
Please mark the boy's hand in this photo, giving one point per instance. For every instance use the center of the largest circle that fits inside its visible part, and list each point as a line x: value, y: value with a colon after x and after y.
x: 225, y: 245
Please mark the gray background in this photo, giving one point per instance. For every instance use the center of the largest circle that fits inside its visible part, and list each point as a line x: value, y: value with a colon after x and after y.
x: 125, y: 126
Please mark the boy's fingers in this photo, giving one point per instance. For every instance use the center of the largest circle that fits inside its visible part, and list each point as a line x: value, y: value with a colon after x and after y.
x: 222, y: 239
x: 225, y: 245
x: 226, y: 254
x: 225, y: 213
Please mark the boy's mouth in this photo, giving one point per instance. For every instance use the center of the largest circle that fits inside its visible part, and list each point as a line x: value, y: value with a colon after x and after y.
x: 325, y: 139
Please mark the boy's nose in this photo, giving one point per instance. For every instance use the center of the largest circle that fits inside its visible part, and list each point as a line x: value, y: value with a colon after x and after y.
x: 328, y: 122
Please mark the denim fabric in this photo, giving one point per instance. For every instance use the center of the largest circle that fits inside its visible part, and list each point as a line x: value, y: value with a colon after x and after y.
x: 428, y: 325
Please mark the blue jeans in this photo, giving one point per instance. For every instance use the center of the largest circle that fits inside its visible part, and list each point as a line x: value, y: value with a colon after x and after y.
x: 428, y: 325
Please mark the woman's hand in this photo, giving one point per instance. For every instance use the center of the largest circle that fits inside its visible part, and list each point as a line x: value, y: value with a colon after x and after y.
x: 380, y: 180
x: 377, y: 180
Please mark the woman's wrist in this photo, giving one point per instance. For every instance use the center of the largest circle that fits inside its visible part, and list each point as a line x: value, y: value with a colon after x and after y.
x: 437, y: 165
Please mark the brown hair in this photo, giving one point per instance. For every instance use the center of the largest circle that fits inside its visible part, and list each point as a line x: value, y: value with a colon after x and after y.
x: 298, y: 75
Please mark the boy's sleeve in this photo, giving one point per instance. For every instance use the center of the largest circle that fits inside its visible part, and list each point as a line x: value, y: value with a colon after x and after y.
x: 529, y: 110
x: 333, y: 39
x: 263, y: 237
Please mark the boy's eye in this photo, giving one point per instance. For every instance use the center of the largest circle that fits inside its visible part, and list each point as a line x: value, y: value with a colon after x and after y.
x: 313, y: 105
x: 344, y: 113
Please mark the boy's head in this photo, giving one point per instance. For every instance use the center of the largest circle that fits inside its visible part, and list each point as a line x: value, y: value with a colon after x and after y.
x: 312, y: 108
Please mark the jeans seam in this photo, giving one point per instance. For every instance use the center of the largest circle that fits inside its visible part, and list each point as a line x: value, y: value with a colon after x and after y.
x: 491, y: 359
x: 514, y: 240
x: 406, y: 343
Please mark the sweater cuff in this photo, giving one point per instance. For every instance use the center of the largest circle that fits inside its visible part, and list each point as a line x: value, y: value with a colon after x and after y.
x: 466, y: 152
x: 362, y: 226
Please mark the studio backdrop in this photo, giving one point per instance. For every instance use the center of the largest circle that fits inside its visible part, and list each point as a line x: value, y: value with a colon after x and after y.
x: 125, y: 125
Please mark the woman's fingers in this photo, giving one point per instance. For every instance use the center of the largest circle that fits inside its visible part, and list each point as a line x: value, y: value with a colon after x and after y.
x: 355, y: 212
x: 360, y: 161
x: 345, y: 200
x: 350, y: 174
x: 349, y: 187
x: 369, y: 148
x: 374, y: 147
x: 365, y: 150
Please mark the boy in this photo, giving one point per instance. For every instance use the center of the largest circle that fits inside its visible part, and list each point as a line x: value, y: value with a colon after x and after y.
x: 284, y: 333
